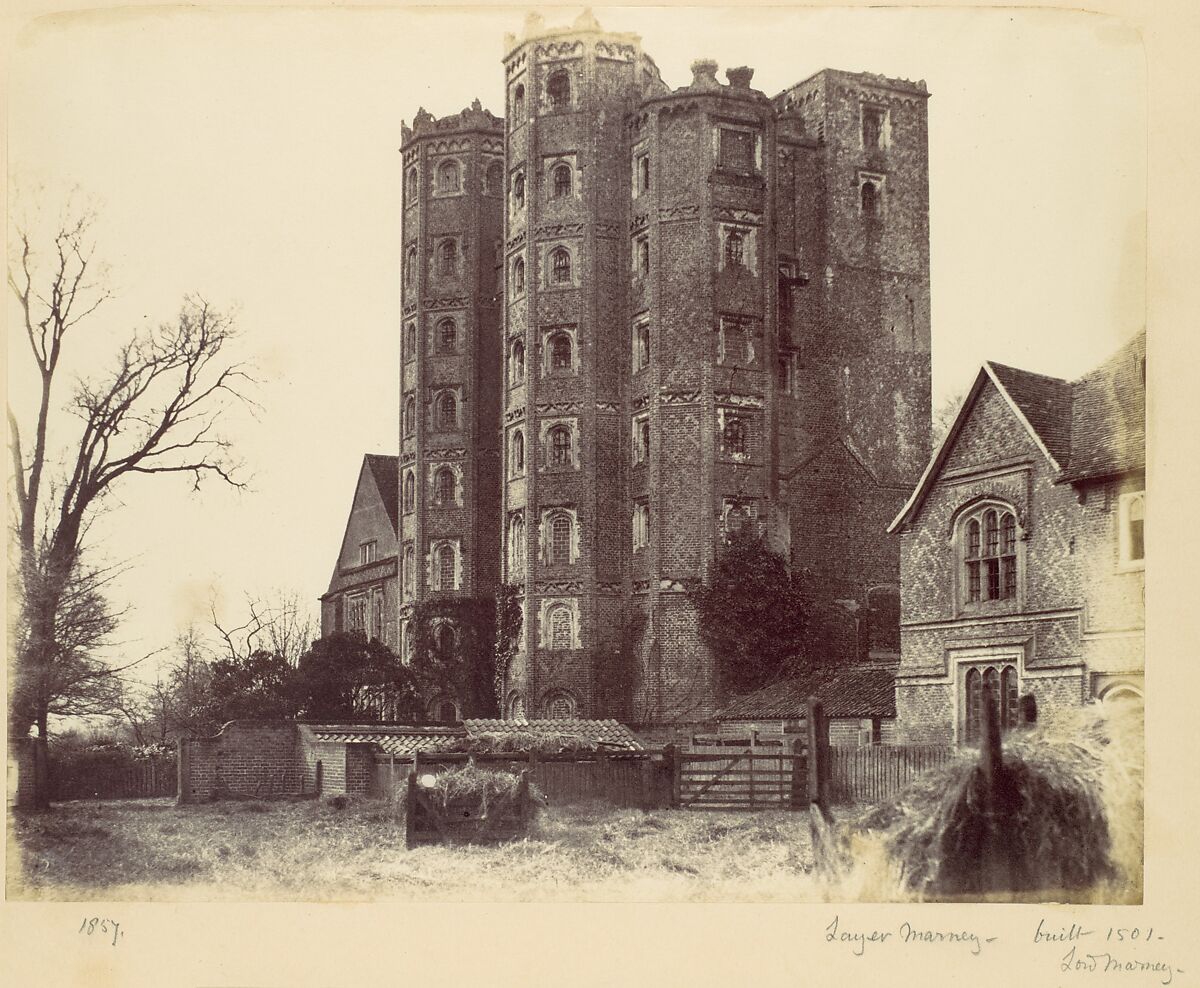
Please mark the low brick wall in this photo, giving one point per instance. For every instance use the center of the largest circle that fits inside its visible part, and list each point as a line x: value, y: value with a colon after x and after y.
x: 247, y: 758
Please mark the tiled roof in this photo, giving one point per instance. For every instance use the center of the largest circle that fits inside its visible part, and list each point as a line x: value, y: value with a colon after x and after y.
x: 854, y: 691
x: 1092, y: 427
x: 386, y: 471
x: 607, y: 733
x: 1046, y: 404
x: 1108, y: 418
x: 394, y: 740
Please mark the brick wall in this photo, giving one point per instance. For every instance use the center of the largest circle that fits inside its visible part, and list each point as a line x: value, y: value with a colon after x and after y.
x: 247, y: 758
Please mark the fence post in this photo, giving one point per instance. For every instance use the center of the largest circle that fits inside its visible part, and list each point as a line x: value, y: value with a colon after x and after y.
x: 391, y: 796
x: 818, y: 754
x: 799, y: 792
x: 183, y: 772
x: 671, y: 757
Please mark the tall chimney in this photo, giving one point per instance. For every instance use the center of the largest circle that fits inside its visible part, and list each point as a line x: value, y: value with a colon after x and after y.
x: 740, y: 77
x: 704, y: 74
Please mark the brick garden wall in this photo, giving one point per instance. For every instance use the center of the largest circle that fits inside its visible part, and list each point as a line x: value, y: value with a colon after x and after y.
x: 247, y: 758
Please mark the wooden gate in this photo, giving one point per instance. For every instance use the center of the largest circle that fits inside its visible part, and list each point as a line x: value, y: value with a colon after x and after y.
x: 747, y: 780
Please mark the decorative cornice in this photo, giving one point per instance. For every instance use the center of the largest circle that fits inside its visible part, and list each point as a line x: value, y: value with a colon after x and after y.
x: 514, y: 415
x: 728, y: 214
x: 739, y: 400
x: 559, y: 49
x: 553, y: 230
x: 607, y: 406
x: 453, y: 302
x: 681, y: 211
x: 639, y: 222
x: 679, y: 397
x: 559, y: 588
x: 557, y: 408
x: 615, y: 52
x: 445, y: 454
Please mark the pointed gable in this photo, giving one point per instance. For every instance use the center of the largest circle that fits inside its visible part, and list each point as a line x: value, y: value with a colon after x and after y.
x: 386, y: 472
x: 374, y: 515
x: 1045, y: 404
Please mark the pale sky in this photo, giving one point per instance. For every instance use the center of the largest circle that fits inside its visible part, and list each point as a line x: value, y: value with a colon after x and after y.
x: 251, y: 156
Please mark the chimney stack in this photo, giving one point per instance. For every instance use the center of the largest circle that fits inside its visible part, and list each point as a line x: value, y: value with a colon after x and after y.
x: 740, y: 77
x: 704, y: 74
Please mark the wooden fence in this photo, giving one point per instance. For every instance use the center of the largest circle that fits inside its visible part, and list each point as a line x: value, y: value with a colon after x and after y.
x: 142, y: 778
x: 639, y: 779
x: 750, y: 779
x: 873, y: 773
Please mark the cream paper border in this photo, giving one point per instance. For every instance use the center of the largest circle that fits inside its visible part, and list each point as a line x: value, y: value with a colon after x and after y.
x: 242, y: 944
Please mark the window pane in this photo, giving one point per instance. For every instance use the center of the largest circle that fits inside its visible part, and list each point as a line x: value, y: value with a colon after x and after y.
x: 974, y: 699
x: 972, y: 581
x: 1009, y: 529
x: 993, y: 579
x: 973, y: 540
x: 992, y: 533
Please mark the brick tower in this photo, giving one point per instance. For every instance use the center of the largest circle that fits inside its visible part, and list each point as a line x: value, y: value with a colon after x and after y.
x: 450, y: 364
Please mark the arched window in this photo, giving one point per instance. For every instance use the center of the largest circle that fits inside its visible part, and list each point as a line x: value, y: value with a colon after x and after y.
x: 733, y: 438
x: 869, y: 197
x: 644, y: 256
x: 410, y: 416
x: 411, y: 187
x: 447, y: 712
x: 994, y: 684
x: 560, y: 538
x: 644, y: 173
x: 559, y: 705
x: 410, y: 340
x: 410, y: 568
x: 560, y: 446
x: 443, y: 486
x: 519, y: 190
x: 989, y: 544
x: 410, y: 491
x: 410, y: 268
x: 516, y: 707
x: 516, y: 544
x: 447, y: 257
x: 561, y: 181
x: 494, y: 178
x: 444, y: 640
x: 518, y: 279
x: 560, y: 352
x: 448, y: 177
x: 517, y: 363
x: 560, y: 629
x: 733, y: 249
x: 517, y: 453
x: 445, y: 567
x: 558, y: 89
x: 560, y: 266
x: 447, y: 410
x: 518, y: 104
x: 447, y: 332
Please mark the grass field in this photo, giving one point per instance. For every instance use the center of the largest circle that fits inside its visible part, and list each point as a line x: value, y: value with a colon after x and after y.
x: 151, y: 849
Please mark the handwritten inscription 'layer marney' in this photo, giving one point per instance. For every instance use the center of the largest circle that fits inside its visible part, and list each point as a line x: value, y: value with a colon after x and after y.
x: 904, y: 933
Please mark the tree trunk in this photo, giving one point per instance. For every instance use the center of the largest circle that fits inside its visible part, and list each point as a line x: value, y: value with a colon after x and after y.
x: 41, y: 766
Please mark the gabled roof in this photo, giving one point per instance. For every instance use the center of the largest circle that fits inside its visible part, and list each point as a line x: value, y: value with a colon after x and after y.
x: 849, y: 691
x: 1089, y: 428
x: 386, y: 472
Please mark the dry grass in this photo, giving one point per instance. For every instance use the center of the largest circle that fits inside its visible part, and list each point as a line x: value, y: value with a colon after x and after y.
x: 151, y: 849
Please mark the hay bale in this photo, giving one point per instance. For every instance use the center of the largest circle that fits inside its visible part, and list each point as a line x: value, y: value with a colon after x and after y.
x: 1044, y: 828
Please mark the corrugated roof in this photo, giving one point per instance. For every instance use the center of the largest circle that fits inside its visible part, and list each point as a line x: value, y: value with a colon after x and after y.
x: 853, y: 691
x: 609, y: 733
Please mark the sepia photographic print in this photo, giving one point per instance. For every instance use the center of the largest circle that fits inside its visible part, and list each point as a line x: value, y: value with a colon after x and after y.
x: 627, y: 455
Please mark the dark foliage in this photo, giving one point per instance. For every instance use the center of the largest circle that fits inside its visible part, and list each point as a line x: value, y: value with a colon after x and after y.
x: 752, y: 612
x: 256, y: 687
x: 462, y: 647
x: 345, y: 677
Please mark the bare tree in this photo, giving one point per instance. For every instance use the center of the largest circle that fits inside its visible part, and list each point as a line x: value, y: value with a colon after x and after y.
x: 156, y: 411
x: 944, y: 416
x: 280, y: 623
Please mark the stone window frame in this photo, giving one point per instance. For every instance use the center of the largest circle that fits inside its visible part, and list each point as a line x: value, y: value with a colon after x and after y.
x: 436, y: 564
x: 517, y: 280
x: 448, y: 263
x: 438, y: 343
x: 962, y: 660
x: 548, y: 606
x: 368, y: 552
x: 559, y: 704
x: 444, y: 709
x: 641, y: 439
x: 355, y: 611
x: 440, y: 170
x: 547, y: 553
x: 409, y: 416
x: 748, y: 251
x: 735, y: 434
x: 515, y: 539
x: 785, y: 372
x: 515, y: 705
x: 517, y: 362
x: 408, y: 488
x: 547, y: 427
x: 878, y: 182
x: 747, y: 506
x: 553, y: 167
x: 518, y: 192
x: 549, y: 274
x: 553, y: 103
x: 1126, y: 505
x: 641, y: 344
x: 747, y: 329
x: 549, y: 335
x: 640, y: 524
x: 406, y: 641
x: 756, y: 146
x: 408, y: 570
x: 517, y: 105
x: 493, y: 177
x: 437, y: 473
x: 640, y: 255
x: 412, y: 186
x: 410, y: 340
x: 437, y: 422
x: 884, y: 137
x: 976, y: 510
x: 642, y: 175
x: 412, y: 266
x: 517, y: 453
